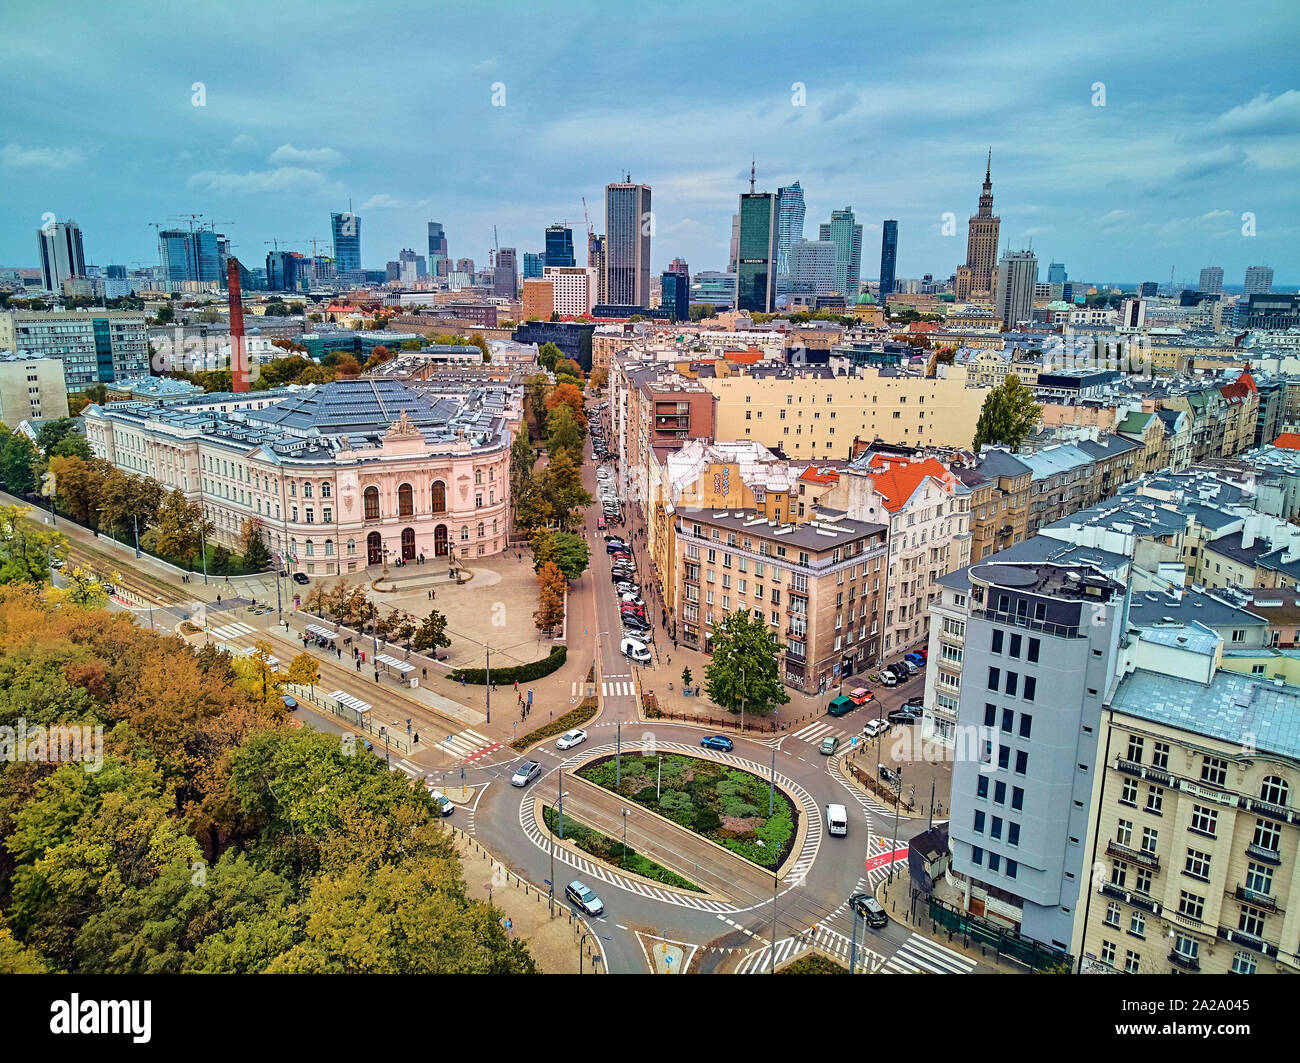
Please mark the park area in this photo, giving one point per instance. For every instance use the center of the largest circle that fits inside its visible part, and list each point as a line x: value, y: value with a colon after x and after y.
x: 719, y: 802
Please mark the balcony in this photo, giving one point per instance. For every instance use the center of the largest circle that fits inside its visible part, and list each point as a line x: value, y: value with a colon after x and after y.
x: 1137, y: 856
x: 1187, y: 963
x: 1268, y: 856
x: 791, y: 633
x: 1259, y: 900
x: 1109, y: 889
x: 1267, y: 808
x: 1141, y: 771
x: 1250, y: 941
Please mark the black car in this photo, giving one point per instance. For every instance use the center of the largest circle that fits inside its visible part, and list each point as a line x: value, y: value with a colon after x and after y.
x: 916, y: 702
x: 300, y: 577
x: 904, y: 716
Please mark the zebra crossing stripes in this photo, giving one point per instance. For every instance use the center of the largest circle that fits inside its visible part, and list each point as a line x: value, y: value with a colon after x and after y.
x: 410, y: 769
x: 760, y: 960
x: 868, y: 804
x: 919, y: 953
x: 618, y: 688
x: 468, y: 745
x: 231, y: 631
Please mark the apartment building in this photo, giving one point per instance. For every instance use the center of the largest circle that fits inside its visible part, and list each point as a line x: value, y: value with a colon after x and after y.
x: 811, y: 412
x: 1197, y: 828
x: 927, y: 510
x: 95, y: 346
x: 819, y: 586
x: 31, y: 389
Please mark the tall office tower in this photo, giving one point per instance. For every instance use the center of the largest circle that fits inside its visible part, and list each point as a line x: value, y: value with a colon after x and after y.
x: 437, y: 249
x: 505, y: 281
x: 847, y: 238
x: 1017, y: 276
x: 596, y: 262
x: 559, y: 246
x: 1211, y: 280
x: 533, y: 265
x: 982, y: 238
x: 176, y: 258
x: 1040, y: 648
x: 1133, y: 314
x: 812, y: 268
x: 409, y: 266
x: 734, y: 252
x: 1149, y: 289
x: 888, y: 258
x: 62, y: 255
x: 756, y: 266
x: 346, y: 227
x: 1056, y: 273
x: 465, y: 265
x: 679, y: 266
x: 1259, y: 280
x: 789, y: 224
x: 627, y: 244
x: 675, y: 295
x: 286, y: 271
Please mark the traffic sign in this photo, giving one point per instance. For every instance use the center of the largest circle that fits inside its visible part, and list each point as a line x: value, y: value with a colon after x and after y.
x: 530, y: 699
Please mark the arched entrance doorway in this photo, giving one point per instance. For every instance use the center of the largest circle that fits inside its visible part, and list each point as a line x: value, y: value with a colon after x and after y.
x: 408, y: 544
x: 374, y: 549
x: 440, y: 541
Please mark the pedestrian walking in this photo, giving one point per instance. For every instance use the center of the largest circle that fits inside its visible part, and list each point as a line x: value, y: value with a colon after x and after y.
x: 426, y: 672
x: 376, y: 677
x: 218, y: 599
x: 433, y: 596
x: 358, y: 664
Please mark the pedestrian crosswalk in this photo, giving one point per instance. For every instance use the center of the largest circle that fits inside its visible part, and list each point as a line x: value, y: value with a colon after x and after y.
x: 618, y: 688
x: 918, y: 955
x: 231, y: 631
x: 468, y: 745
x: 815, y: 732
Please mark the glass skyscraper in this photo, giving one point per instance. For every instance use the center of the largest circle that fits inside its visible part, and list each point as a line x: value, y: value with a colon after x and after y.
x: 628, y: 226
x: 675, y: 295
x: 789, y: 224
x: 847, y: 237
x: 533, y: 264
x: 346, y: 227
x: 559, y: 246
x: 888, y: 258
x: 756, y: 264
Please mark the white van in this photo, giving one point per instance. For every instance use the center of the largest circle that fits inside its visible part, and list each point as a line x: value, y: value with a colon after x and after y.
x: 837, y: 820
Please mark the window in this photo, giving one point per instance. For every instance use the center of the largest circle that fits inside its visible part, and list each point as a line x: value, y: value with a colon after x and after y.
x: 1012, y: 866
x: 997, y: 641
x: 995, y: 675
x: 1134, y: 749
x: 979, y: 821
x: 1026, y: 721
x: 999, y: 792
x: 1137, y: 925
x: 1150, y: 839
x: 1243, y: 963
x: 1214, y: 771
x: 1191, y: 905
x: 990, y: 715
x: 371, y: 501
x: 1113, y: 912
x: 1004, y: 756
x: 1142, y: 881
x: 1132, y: 962
x: 405, y: 501
x: 1108, y: 952
x: 1017, y: 798
x: 1160, y: 755
x: 1119, y: 874
x: 1031, y: 688
x: 1197, y: 864
x: 1013, y: 833
x: 1013, y: 679
x: 1251, y: 921
x: 1022, y: 762
x: 1155, y: 799
x: 982, y: 786
x: 1268, y: 835
x: 1124, y: 832
x: 1032, y: 655
x: 1204, y: 820
x: 976, y: 855
x: 1008, y: 718
x: 995, y: 861
x: 1274, y: 790
x: 1187, y: 948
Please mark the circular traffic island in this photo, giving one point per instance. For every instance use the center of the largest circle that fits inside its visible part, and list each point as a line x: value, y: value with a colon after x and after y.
x: 717, y: 801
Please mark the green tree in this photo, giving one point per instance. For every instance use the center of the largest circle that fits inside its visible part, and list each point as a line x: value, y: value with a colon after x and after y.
x: 563, y: 486
x: 571, y: 554
x: 687, y: 678
x: 20, y: 463
x: 26, y: 548
x: 52, y: 432
x: 221, y: 561
x: 181, y: 528
x: 564, y: 431
x: 548, y: 356
x: 432, y: 633
x: 532, y: 506
x: 522, y: 459
x: 539, y: 386
x: 744, y: 665
x: 72, y: 446
x: 256, y: 555
x: 1008, y: 415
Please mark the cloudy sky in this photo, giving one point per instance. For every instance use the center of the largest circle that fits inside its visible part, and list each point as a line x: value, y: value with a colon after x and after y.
x: 391, y: 105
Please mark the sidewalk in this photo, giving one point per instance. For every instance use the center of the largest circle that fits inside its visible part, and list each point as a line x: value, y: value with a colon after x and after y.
x: 553, y: 936
x: 913, y: 913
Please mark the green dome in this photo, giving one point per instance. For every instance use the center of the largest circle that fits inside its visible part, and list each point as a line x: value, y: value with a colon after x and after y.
x: 866, y: 299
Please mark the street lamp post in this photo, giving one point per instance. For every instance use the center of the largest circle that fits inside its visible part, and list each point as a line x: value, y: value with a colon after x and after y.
x: 135, y: 526
x: 897, y: 800
x: 659, y: 776
x: 203, y: 549
x: 622, y: 862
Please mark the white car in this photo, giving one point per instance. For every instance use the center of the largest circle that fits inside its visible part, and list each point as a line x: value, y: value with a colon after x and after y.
x: 526, y: 773
x: 441, y: 800
x: 633, y: 599
x: 636, y: 650
x: 571, y: 738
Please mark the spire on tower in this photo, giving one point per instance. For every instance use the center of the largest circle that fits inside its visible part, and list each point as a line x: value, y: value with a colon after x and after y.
x: 751, y: 174
x: 988, y: 169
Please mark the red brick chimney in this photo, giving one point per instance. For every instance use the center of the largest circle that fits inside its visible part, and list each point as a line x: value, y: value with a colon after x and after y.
x: 238, y: 349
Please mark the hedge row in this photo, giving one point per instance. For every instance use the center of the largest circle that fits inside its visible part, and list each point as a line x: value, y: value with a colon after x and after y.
x: 523, y: 673
x: 573, y: 718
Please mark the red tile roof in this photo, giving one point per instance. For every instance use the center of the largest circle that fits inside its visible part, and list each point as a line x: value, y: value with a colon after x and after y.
x: 897, y: 481
x: 1288, y: 441
x: 814, y: 475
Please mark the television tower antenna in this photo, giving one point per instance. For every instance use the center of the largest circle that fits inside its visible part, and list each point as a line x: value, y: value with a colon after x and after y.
x: 751, y: 175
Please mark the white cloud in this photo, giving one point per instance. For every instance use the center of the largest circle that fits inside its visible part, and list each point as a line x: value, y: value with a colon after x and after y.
x: 1264, y: 114
x: 44, y: 158
x: 288, y: 155
x: 285, y: 179
x: 243, y: 142
x: 383, y: 201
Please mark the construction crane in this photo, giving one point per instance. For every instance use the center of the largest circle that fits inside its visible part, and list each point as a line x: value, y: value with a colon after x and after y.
x: 587, y: 218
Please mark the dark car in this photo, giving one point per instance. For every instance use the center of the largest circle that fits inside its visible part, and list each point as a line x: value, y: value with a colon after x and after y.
x: 869, y: 908
x: 904, y: 716
x: 635, y: 623
x: 300, y: 577
x: 916, y: 702
x: 614, y: 539
x: 616, y: 546
x: 719, y: 742
x: 289, y: 703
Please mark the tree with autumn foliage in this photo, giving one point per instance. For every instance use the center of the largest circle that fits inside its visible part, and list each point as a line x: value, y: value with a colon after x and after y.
x: 569, y: 395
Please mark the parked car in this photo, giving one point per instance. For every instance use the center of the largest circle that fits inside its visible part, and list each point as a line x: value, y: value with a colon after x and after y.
x: 916, y: 701
x: 875, y: 727
x: 636, y: 650
x: 904, y: 716
x: 829, y: 745
x: 629, y: 598
x: 584, y: 898
x: 638, y: 627
x: 887, y: 677
x: 916, y: 658
x: 571, y: 738
x: 289, y: 703
x: 721, y: 743
x: 644, y: 634
x: 901, y: 674
x: 615, y: 546
x: 300, y: 577
x: 525, y: 773
x: 841, y: 705
x: 613, y: 538
x: 861, y: 695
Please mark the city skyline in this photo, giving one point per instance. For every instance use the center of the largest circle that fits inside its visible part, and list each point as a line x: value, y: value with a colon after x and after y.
x: 1158, y: 177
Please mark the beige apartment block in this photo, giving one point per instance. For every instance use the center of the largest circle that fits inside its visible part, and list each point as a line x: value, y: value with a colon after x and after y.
x: 813, y: 414
x: 31, y: 389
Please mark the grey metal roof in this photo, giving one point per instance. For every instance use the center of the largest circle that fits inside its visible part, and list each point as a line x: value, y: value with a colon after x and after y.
x: 1233, y: 708
x: 1148, y: 608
